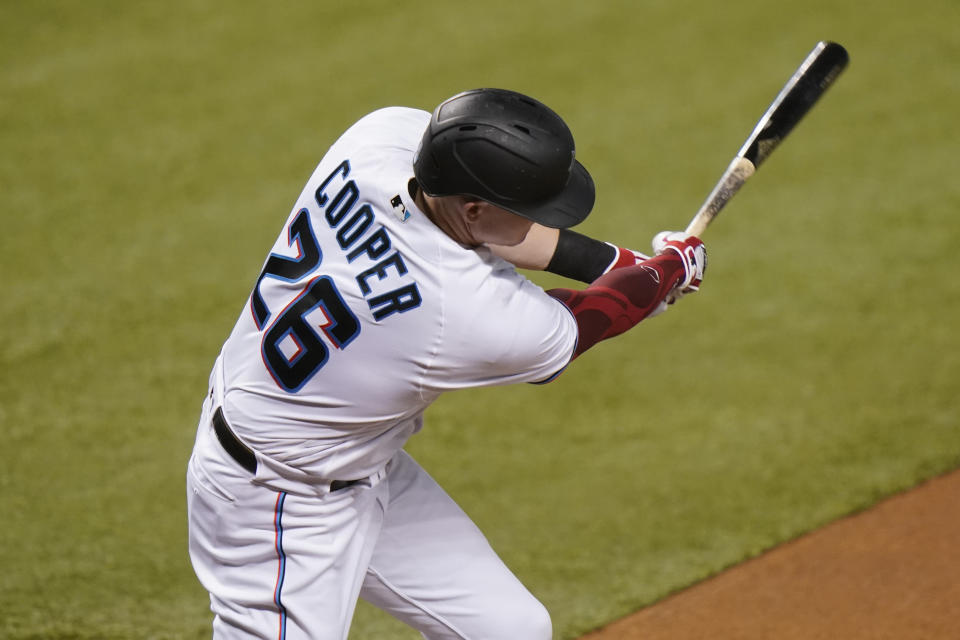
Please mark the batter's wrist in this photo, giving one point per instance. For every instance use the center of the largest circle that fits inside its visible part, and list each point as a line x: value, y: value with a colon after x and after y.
x: 580, y: 257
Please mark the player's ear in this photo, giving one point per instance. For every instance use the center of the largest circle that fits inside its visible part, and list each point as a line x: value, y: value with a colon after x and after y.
x: 472, y: 208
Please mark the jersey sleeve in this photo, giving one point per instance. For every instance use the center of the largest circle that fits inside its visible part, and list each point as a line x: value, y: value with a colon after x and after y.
x: 507, y: 331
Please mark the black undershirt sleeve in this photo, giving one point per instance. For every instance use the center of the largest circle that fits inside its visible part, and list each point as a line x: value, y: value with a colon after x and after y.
x: 579, y: 257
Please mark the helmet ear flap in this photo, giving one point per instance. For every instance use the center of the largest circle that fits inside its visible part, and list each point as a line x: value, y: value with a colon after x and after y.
x: 507, y: 149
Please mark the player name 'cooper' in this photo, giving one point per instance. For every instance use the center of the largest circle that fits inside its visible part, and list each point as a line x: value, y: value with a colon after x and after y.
x: 375, y: 245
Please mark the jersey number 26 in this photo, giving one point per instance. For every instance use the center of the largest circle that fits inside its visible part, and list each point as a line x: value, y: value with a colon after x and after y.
x: 292, y: 349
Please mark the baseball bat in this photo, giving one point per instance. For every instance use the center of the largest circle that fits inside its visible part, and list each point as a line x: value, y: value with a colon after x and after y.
x: 811, y: 79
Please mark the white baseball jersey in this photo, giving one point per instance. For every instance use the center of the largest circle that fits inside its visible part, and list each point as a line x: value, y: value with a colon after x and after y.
x: 365, y: 312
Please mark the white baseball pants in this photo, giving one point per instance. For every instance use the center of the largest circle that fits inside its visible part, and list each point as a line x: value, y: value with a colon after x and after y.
x: 289, y: 567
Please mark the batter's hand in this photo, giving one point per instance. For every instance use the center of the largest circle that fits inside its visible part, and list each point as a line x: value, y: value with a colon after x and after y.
x: 692, y: 252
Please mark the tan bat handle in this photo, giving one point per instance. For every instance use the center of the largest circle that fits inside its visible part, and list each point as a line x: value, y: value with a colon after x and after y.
x: 730, y: 182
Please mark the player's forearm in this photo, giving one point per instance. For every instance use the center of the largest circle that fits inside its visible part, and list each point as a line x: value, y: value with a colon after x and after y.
x: 620, y: 299
x: 534, y: 252
x: 565, y: 253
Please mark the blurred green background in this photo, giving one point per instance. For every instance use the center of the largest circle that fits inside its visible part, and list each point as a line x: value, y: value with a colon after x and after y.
x: 149, y: 153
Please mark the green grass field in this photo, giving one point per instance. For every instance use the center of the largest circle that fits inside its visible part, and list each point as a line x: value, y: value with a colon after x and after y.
x: 149, y: 153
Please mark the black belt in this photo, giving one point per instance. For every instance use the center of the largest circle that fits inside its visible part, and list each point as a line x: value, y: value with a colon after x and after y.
x: 245, y: 456
x: 231, y: 444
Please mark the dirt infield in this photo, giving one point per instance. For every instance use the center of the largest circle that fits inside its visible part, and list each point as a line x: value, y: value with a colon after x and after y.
x: 890, y: 572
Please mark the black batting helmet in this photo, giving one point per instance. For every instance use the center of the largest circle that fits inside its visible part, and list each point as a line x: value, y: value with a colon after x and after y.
x: 508, y: 149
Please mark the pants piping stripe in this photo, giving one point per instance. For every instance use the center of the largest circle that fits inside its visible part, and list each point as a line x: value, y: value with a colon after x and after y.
x: 281, y: 564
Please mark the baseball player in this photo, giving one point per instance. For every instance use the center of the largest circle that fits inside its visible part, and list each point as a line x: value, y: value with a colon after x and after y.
x: 393, y: 280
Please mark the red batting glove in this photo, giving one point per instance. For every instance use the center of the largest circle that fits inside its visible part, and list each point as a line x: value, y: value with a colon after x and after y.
x: 692, y: 252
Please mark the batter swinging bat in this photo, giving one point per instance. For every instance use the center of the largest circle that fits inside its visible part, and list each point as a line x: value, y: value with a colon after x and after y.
x: 801, y: 92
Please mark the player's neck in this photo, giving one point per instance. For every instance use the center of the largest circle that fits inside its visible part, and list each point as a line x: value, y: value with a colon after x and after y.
x: 445, y: 213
